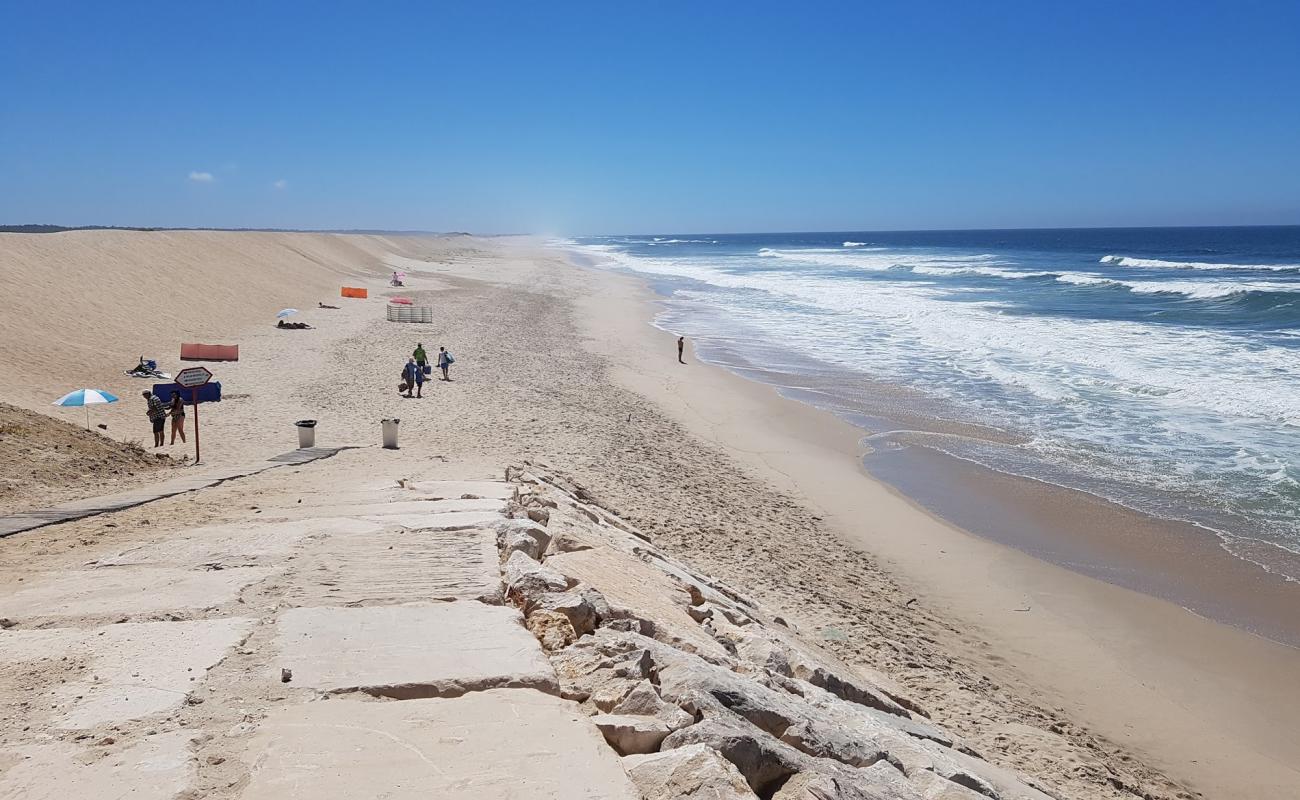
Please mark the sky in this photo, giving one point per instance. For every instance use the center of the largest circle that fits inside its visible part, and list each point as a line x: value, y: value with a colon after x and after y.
x: 650, y: 117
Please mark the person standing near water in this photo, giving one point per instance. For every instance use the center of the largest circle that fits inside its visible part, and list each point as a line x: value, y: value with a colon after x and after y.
x: 178, y: 418
x: 157, y: 416
x: 444, y: 361
x: 681, y: 346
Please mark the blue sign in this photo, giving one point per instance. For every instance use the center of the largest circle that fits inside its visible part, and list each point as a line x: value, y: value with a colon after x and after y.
x: 208, y: 393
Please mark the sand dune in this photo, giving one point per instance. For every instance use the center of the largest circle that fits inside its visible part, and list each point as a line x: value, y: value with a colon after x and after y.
x: 80, y: 307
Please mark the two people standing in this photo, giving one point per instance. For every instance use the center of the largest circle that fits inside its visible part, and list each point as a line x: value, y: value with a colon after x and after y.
x: 158, y: 412
x: 413, y: 377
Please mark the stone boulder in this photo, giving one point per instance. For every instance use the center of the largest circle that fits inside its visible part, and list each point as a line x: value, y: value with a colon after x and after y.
x: 552, y: 629
x: 763, y: 761
x: 515, y: 534
x: 567, y: 543
x: 644, y: 699
x: 583, y: 606
x: 881, y: 782
x: 695, y: 771
x: 604, y: 667
x: 630, y: 734
x: 528, y: 579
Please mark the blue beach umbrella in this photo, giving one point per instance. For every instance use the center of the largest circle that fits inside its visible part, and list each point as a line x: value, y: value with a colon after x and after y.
x: 87, y: 398
x: 284, y: 312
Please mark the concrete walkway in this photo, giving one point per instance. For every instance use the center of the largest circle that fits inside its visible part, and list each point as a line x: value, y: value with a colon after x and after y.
x: 353, y: 645
x: 79, y: 509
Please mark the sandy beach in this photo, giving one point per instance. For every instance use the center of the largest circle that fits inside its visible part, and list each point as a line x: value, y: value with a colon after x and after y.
x: 1092, y: 689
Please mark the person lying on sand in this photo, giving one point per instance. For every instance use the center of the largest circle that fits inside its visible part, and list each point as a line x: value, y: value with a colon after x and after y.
x: 322, y: 305
x: 293, y: 326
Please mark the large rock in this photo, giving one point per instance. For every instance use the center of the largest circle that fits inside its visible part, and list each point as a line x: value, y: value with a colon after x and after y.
x: 634, y: 589
x: 630, y: 734
x: 513, y: 534
x: 583, y: 606
x: 694, y: 771
x: 605, y: 666
x: 830, y: 741
x: 644, y: 699
x: 763, y: 761
x: 529, y: 579
x: 552, y: 629
x: 423, y: 650
x: 701, y: 688
x: 881, y: 782
x: 498, y: 743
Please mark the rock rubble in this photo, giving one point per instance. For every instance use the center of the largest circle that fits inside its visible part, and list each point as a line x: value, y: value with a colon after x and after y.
x: 704, y: 692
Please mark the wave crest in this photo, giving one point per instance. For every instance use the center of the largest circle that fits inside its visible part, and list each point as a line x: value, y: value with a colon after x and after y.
x: 1156, y: 263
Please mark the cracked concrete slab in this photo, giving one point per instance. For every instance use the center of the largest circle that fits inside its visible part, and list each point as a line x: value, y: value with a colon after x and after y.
x: 450, y: 520
x: 406, y: 651
x: 499, y: 490
x: 411, y: 506
x: 158, y: 768
x: 235, y: 544
x: 122, y: 672
x: 501, y: 743
x: 399, y: 566
x: 125, y: 590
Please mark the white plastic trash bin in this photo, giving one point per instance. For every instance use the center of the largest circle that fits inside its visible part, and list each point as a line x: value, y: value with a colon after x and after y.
x: 390, y: 433
x: 306, y: 433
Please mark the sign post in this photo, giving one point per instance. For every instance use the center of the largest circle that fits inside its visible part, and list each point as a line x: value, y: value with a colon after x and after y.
x: 192, y: 378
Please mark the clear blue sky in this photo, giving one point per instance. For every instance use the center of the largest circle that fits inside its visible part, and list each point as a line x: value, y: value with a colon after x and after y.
x: 612, y: 116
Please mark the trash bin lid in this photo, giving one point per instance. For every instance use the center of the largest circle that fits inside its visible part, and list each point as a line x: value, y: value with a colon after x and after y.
x: 394, y: 420
x: 306, y: 423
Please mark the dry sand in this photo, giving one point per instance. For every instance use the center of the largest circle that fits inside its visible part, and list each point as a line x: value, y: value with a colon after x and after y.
x: 1095, y: 690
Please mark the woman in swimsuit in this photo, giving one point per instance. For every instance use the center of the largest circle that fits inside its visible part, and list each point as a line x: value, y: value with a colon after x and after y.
x: 177, y: 411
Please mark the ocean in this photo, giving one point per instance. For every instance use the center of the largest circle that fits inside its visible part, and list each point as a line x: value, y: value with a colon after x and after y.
x: 1157, y: 368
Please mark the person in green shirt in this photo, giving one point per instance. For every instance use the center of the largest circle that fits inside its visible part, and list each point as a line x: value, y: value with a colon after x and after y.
x: 419, y: 355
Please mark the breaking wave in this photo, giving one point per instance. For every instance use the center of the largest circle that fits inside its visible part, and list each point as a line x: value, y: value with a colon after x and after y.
x: 1156, y: 263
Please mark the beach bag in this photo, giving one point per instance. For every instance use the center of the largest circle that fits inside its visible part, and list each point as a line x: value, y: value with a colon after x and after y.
x: 402, y: 387
x: 450, y: 358
x: 428, y: 369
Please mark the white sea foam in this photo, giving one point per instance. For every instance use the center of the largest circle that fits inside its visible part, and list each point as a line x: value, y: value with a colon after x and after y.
x: 1127, y: 261
x: 854, y: 244
x: 1086, y: 279
x: 993, y: 272
x: 1208, y: 290
x: 1198, y: 290
x: 873, y: 258
x: 909, y: 331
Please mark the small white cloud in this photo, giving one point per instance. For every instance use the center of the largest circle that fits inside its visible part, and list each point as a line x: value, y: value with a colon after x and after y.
x: 280, y: 184
x: 202, y: 177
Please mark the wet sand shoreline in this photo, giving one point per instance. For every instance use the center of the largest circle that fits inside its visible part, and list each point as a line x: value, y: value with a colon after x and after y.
x: 1168, y: 559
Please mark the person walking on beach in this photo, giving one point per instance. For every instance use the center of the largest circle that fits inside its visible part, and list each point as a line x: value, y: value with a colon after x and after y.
x: 157, y: 412
x: 681, y: 346
x: 444, y: 361
x: 177, y: 411
x: 414, y: 375
x: 419, y: 355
